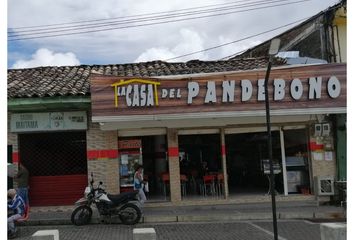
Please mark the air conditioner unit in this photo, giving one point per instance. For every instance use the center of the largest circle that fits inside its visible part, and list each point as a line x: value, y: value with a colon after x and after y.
x: 324, y: 185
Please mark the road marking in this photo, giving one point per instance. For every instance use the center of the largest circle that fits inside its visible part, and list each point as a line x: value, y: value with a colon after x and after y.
x: 266, y: 231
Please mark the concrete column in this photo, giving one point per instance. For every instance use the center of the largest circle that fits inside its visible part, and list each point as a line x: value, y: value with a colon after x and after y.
x: 223, y: 159
x: 173, y: 164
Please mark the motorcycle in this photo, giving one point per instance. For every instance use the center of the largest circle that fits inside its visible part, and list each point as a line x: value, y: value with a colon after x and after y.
x: 124, y: 205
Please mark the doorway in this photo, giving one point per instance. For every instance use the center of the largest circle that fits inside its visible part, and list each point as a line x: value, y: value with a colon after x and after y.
x: 148, y: 151
x: 199, y: 155
x: 246, y: 154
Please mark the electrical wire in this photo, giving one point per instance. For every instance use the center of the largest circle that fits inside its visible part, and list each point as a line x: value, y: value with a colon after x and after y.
x: 235, y: 41
x: 148, y: 24
x: 137, y: 20
x: 130, y: 16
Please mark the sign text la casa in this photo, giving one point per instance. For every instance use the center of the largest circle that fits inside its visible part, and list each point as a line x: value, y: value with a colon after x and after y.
x: 144, y: 93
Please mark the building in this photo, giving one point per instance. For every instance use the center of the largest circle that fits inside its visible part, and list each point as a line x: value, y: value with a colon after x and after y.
x: 183, y: 121
x: 66, y: 122
x: 321, y: 37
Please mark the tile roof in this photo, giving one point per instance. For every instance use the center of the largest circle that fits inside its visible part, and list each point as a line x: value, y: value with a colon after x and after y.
x: 74, y: 80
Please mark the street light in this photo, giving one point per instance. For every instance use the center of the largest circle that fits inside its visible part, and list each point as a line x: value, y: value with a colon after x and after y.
x: 273, y: 49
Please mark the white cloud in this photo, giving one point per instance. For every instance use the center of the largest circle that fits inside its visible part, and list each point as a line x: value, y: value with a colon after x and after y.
x: 160, y: 41
x: 190, y: 41
x: 46, y: 57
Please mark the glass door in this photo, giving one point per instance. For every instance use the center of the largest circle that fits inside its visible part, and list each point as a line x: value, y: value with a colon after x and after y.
x: 130, y: 155
x: 296, y: 160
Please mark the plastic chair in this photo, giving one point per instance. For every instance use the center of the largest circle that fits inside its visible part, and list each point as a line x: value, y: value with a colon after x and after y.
x: 220, y: 183
x: 26, y: 215
x: 165, y: 177
x: 208, y: 182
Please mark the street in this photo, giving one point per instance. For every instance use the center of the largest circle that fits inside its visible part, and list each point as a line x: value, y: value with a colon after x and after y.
x: 240, y: 230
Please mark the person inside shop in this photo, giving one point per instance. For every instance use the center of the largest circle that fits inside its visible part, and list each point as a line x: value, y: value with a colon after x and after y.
x: 139, y: 183
x: 16, y: 210
x: 22, y: 182
x: 205, y: 168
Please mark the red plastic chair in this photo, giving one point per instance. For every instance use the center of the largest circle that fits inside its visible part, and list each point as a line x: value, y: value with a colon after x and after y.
x: 26, y: 215
x: 165, y: 177
x: 220, y: 183
x: 208, y: 181
x: 183, y: 179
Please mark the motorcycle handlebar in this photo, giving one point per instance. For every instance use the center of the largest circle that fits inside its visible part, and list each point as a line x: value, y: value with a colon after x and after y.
x: 98, y: 186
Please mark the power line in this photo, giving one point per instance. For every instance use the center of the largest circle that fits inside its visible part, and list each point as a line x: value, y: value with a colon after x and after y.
x: 238, y: 40
x: 144, y: 19
x: 149, y: 24
x: 137, y: 15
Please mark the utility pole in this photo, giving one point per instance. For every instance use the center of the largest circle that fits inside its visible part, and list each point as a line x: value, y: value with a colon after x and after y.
x: 273, y: 49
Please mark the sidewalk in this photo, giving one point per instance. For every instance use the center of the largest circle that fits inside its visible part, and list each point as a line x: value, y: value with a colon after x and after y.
x: 206, y: 213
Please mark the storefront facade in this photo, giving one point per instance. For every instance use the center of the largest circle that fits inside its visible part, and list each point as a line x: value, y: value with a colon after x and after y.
x: 216, y: 121
x: 185, y: 127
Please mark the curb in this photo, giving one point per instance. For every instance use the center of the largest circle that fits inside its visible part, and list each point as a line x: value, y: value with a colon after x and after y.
x: 199, y: 218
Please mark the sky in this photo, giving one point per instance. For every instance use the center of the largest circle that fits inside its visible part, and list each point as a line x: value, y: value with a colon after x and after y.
x: 127, y: 44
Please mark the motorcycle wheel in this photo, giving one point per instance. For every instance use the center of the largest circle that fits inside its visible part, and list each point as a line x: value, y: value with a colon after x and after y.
x: 130, y: 214
x: 81, y: 215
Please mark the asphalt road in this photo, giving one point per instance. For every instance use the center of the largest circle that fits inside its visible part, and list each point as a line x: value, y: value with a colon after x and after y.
x: 240, y: 230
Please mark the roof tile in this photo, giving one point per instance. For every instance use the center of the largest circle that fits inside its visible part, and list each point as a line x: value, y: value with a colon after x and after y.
x: 74, y: 80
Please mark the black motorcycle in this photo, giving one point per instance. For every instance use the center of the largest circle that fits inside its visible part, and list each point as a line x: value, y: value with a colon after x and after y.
x: 124, y: 205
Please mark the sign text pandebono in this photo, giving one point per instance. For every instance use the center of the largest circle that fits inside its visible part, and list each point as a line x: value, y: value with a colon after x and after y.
x: 144, y: 93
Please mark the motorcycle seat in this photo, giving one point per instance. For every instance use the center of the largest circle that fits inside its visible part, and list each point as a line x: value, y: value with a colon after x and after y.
x: 123, y: 197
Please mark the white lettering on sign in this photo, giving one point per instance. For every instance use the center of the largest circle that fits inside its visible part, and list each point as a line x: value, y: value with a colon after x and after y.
x: 193, y: 91
x: 138, y: 95
x: 171, y: 93
x: 210, y: 95
x: 246, y: 87
x: 228, y: 92
x: 333, y: 87
x: 315, y: 87
x: 144, y: 92
x: 296, y: 89
x: 261, y: 90
x: 279, y: 89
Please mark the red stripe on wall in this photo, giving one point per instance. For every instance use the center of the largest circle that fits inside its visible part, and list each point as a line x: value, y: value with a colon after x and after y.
x: 15, y: 157
x: 173, y: 152
x: 105, y: 153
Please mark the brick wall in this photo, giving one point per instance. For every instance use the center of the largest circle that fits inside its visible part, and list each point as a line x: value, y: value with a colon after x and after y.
x: 102, y: 157
x: 319, y: 165
x: 173, y: 163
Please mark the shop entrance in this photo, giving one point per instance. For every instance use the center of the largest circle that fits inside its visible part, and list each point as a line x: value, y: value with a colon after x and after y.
x: 245, y: 157
x: 57, y: 165
x: 200, y: 155
x: 149, y: 151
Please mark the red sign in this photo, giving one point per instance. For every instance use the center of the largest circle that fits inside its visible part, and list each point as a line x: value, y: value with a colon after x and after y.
x: 128, y: 144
